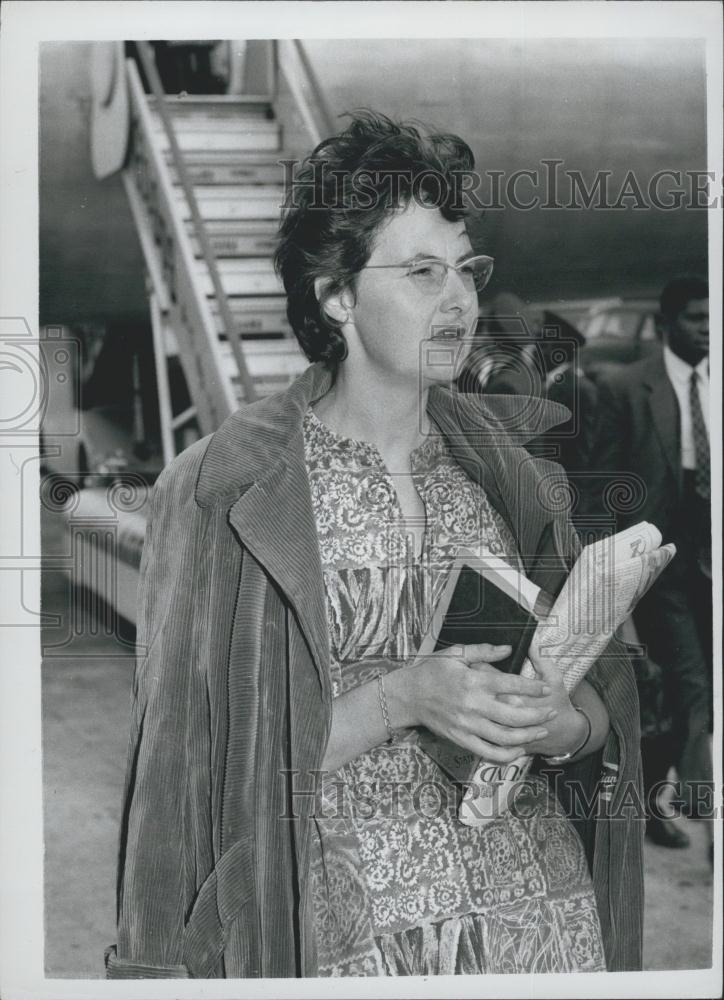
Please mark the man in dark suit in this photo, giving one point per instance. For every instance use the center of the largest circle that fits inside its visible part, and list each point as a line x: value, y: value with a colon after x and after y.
x: 653, y: 423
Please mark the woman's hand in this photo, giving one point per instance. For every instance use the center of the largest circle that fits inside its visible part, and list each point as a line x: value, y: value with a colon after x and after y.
x: 568, y: 729
x: 460, y: 695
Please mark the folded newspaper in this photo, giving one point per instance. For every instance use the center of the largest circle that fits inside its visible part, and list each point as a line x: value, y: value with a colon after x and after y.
x: 605, y: 584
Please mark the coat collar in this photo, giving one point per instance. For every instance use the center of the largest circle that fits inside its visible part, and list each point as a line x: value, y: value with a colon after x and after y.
x: 256, y: 437
x: 255, y: 466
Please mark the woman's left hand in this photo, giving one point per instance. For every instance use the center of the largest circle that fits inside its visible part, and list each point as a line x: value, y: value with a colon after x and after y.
x: 567, y: 729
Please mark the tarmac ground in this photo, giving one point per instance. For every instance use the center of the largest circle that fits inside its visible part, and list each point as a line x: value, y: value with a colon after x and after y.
x: 86, y: 685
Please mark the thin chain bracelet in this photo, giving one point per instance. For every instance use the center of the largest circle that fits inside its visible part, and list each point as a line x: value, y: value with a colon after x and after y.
x: 383, y: 706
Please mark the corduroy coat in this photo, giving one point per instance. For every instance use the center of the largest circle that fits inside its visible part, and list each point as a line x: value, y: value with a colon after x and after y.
x: 232, y: 697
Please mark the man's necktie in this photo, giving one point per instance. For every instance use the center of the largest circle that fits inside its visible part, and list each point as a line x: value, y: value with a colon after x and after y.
x: 701, y: 440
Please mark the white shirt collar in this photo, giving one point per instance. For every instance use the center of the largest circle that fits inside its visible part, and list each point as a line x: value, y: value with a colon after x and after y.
x: 679, y: 371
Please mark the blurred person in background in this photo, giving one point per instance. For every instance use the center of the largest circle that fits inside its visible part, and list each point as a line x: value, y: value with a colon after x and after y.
x: 503, y: 359
x: 527, y: 350
x: 191, y: 66
x: 654, y: 422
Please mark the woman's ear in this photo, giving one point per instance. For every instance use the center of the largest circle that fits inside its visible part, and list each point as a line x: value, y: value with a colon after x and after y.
x: 334, y: 305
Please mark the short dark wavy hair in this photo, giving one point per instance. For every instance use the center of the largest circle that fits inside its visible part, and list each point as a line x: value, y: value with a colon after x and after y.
x: 340, y: 197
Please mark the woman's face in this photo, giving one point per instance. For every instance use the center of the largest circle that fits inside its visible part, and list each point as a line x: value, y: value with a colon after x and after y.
x: 399, y: 329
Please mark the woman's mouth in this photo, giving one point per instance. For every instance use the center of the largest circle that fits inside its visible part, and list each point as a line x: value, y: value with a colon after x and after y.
x: 447, y: 333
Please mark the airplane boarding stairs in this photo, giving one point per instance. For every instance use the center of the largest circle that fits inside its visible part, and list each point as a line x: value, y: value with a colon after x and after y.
x: 228, y: 329
x: 205, y: 184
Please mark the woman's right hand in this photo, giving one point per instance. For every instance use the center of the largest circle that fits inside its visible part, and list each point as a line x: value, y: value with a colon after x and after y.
x: 456, y: 694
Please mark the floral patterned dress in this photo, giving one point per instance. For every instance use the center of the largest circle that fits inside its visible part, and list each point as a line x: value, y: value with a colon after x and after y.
x: 400, y: 886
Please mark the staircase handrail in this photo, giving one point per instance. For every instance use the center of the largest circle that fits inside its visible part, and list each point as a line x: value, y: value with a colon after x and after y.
x: 149, y: 67
x: 315, y: 86
x: 162, y: 232
x: 322, y: 125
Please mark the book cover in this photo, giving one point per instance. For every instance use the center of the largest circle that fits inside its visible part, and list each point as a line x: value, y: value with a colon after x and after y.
x: 488, y: 600
x: 475, y: 609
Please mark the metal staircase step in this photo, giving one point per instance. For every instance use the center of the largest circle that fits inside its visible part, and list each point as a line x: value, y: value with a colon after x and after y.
x: 265, y: 137
x: 265, y: 354
x: 272, y: 364
x: 222, y: 119
x: 210, y: 105
x: 274, y: 344
x: 209, y: 167
x: 240, y: 201
x: 256, y: 316
x: 239, y: 278
x: 238, y: 238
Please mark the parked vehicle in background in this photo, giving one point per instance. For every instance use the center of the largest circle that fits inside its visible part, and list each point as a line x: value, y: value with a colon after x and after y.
x: 613, y: 331
x: 620, y: 332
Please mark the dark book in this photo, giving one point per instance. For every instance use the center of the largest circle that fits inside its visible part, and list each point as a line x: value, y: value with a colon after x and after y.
x: 488, y: 601
x: 479, y: 611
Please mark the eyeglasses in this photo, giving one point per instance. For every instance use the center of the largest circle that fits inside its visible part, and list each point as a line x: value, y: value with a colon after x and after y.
x: 429, y: 274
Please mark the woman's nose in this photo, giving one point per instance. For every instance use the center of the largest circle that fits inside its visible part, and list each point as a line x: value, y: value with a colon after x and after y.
x: 457, y: 293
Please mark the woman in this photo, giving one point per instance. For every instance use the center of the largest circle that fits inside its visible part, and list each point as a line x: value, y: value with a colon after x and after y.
x: 278, y: 819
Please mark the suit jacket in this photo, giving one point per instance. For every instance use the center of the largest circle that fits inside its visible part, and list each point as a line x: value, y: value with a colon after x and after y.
x: 639, y: 434
x: 233, y: 687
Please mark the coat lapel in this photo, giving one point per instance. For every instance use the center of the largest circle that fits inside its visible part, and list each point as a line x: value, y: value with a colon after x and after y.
x: 486, y: 435
x: 665, y: 414
x: 255, y: 466
x: 275, y: 522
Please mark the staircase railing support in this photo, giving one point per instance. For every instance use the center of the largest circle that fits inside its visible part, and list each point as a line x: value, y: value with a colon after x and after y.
x: 154, y: 80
